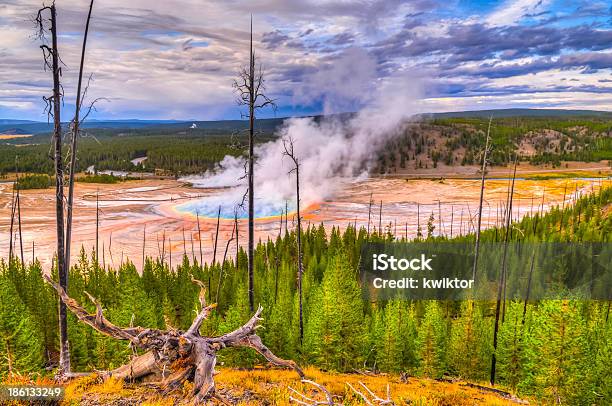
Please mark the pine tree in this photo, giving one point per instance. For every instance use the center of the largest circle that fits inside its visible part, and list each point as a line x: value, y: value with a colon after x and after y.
x: 21, y: 343
x: 341, y: 320
x: 397, y: 350
x: 432, y: 342
x: 469, y: 345
x: 430, y: 226
x: 514, y: 365
x: 562, y: 353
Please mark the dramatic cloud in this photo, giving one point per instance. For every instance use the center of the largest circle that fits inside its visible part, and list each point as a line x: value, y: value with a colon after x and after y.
x: 177, y: 59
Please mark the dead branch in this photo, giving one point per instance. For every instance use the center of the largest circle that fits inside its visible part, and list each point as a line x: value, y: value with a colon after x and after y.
x: 372, y: 399
x: 308, y: 401
x: 173, y: 356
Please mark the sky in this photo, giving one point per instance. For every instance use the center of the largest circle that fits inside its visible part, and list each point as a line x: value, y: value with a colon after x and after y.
x: 178, y: 59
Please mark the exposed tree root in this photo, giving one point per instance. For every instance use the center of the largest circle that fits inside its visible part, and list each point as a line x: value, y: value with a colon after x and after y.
x: 173, y: 356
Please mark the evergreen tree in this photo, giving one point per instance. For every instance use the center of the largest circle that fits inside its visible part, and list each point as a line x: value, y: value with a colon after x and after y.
x: 470, y: 342
x: 432, y: 342
x: 561, y: 354
x: 341, y: 333
x: 398, y: 338
x: 21, y: 344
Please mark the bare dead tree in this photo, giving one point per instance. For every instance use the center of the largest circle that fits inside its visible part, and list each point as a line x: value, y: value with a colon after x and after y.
x: 19, y: 227
x: 380, y: 219
x: 500, y: 286
x: 485, y: 154
x: 507, y: 239
x: 289, y: 151
x: 222, y: 268
x: 170, y: 252
x: 286, y: 217
x: 200, y: 239
x: 144, y: 243
x: 73, y: 146
x: 369, y: 213
x: 419, y: 233
x: 11, y: 233
x: 163, y: 250
x: 528, y: 288
x: 216, y: 237
x: 193, y: 257
x: 48, y: 24
x: 250, y: 87
x: 97, y: 228
x: 172, y: 356
x: 452, y: 220
x: 214, y: 259
x: 237, y: 242
x: 562, y: 207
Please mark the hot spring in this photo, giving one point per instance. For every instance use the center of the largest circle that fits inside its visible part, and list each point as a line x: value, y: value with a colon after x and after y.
x: 229, y: 203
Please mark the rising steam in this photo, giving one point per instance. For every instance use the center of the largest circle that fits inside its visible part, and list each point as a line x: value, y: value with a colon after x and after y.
x: 331, y: 151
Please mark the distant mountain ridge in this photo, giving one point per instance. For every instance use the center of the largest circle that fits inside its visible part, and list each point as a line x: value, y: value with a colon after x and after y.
x: 37, y: 127
x: 502, y: 113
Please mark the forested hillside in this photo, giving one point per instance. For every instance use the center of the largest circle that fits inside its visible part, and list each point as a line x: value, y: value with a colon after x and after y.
x: 179, y: 152
x: 460, y: 140
x: 559, y: 351
x: 425, y: 144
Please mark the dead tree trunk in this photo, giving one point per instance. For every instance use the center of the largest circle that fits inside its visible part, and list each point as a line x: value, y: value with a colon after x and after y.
x: 250, y: 88
x: 482, y: 186
x: 237, y: 242
x: 562, y: 207
x: 502, y: 280
x: 73, y: 145
x: 97, y: 229
x: 222, y: 267
x: 13, y: 210
x: 19, y: 227
x: 289, y: 151
x: 369, y: 213
x: 200, y: 240
x: 52, y: 61
x: 380, y: 220
x: 172, y: 357
x: 144, y: 244
x: 214, y: 259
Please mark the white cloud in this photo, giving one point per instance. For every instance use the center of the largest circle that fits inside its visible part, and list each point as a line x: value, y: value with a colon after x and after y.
x: 512, y: 11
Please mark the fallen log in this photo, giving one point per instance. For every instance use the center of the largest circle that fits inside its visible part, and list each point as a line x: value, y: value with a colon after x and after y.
x: 173, y: 356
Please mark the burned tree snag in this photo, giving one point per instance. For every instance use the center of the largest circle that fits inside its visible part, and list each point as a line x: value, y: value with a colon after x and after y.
x: 250, y: 87
x: 19, y: 228
x: 482, y: 187
x: 173, y: 356
x: 52, y: 62
x: 289, y: 152
x: 11, y: 234
x: 200, y: 239
x: 73, y: 145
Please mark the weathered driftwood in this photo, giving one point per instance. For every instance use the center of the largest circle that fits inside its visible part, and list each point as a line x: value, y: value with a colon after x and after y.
x: 173, y: 356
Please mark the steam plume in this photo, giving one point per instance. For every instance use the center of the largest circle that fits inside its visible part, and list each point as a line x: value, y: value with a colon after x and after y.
x: 331, y: 151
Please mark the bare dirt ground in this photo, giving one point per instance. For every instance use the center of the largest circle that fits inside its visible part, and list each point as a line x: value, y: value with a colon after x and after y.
x: 127, y: 208
x: 524, y: 168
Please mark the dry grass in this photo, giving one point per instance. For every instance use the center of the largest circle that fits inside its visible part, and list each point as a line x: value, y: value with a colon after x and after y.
x: 271, y: 387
